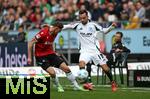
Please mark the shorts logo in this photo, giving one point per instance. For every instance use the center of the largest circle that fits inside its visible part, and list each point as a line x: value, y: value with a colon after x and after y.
x: 43, y: 61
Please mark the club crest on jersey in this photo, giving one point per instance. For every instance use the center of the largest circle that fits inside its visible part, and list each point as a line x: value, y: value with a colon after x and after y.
x: 90, y: 29
x: 80, y: 28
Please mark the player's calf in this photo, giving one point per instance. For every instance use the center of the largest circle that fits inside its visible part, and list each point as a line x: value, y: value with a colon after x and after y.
x: 106, y: 69
x: 55, y: 79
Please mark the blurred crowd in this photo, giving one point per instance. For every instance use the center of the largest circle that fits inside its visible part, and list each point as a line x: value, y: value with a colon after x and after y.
x: 32, y: 13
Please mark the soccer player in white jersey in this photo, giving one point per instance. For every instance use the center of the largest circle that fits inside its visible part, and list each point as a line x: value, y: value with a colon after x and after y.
x: 89, y: 43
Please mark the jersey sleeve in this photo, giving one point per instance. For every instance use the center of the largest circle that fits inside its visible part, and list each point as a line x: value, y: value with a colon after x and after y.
x: 101, y: 29
x: 41, y: 35
x: 71, y: 25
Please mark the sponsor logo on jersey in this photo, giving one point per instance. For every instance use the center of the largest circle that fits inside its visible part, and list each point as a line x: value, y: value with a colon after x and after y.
x: 86, y: 34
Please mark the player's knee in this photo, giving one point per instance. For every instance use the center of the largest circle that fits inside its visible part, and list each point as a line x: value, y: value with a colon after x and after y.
x: 51, y: 71
x: 81, y: 63
x: 64, y: 67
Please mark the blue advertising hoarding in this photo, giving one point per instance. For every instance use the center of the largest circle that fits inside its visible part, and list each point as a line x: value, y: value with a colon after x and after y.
x: 137, y: 40
x: 70, y: 38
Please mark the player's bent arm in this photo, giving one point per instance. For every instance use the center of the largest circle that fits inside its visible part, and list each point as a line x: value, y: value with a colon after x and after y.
x: 71, y: 25
x: 30, y: 46
x: 105, y: 30
x: 68, y: 26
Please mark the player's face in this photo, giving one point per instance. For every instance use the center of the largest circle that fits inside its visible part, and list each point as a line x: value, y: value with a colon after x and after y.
x: 83, y: 18
x: 117, y: 37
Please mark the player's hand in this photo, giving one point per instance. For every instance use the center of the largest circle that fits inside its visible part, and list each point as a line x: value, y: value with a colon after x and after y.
x: 29, y: 61
x: 114, y: 24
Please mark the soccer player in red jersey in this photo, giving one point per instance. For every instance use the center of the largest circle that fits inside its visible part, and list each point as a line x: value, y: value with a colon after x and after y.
x: 46, y: 56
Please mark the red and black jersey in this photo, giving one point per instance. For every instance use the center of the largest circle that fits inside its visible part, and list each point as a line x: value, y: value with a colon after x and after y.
x: 44, y: 45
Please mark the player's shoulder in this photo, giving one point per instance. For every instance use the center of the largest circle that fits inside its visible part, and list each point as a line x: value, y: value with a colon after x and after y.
x: 96, y: 25
x: 93, y: 22
x: 75, y: 23
x: 43, y: 31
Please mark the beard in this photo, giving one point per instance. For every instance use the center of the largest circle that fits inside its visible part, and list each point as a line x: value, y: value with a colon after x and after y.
x: 84, y: 22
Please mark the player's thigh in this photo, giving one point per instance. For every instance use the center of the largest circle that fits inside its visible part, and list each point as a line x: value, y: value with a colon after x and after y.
x: 99, y: 59
x: 58, y: 62
x: 85, y: 57
x: 43, y: 62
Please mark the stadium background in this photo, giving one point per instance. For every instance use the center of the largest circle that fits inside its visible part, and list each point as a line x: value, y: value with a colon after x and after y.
x: 132, y: 18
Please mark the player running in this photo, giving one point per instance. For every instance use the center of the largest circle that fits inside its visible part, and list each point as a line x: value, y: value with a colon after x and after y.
x: 46, y: 57
x: 89, y: 43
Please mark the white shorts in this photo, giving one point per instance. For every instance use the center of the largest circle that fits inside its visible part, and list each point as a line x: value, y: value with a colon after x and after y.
x: 96, y: 58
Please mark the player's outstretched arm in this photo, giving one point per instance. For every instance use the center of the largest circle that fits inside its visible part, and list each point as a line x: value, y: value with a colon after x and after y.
x: 68, y: 26
x: 111, y: 27
x: 71, y: 25
x: 105, y: 30
x: 30, y: 46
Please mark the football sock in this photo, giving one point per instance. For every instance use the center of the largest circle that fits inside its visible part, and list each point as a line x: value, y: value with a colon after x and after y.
x: 55, y: 80
x: 89, y: 72
x: 109, y: 75
x: 72, y: 78
x: 89, y: 69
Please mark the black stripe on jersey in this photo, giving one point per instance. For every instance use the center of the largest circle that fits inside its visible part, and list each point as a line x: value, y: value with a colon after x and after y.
x: 76, y: 27
x: 96, y: 28
x: 98, y: 48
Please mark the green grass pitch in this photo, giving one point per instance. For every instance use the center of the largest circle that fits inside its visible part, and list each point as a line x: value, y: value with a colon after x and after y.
x: 100, y: 92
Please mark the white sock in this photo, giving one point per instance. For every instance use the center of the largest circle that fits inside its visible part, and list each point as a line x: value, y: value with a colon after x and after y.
x: 71, y: 77
x: 55, y: 80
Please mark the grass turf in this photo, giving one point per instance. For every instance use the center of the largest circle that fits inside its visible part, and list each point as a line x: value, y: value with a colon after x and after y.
x: 100, y: 92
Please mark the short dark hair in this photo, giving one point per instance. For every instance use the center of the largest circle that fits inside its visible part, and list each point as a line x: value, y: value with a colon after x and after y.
x: 58, y: 24
x: 21, y: 26
x: 121, y: 34
x: 83, y: 11
x: 140, y: 2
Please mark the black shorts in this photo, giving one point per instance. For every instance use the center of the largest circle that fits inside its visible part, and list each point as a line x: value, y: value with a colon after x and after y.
x: 51, y: 60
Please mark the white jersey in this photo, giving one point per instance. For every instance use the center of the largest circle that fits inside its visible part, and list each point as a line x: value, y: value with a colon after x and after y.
x: 87, y: 36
